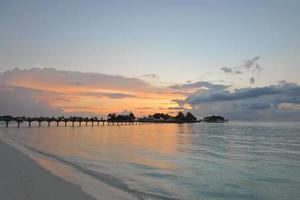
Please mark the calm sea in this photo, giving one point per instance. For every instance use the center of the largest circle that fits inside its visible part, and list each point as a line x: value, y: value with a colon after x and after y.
x: 235, y: 160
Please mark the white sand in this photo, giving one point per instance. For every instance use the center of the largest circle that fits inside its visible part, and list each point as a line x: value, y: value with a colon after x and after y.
x: 23, y: 179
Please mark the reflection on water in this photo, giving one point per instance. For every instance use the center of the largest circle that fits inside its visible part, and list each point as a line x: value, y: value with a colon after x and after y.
x: 180, y: 161
x: 121, y: 144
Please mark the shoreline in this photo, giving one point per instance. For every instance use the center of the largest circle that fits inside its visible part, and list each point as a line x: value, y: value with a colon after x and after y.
x: 29, y: 174
x: 22, y: 178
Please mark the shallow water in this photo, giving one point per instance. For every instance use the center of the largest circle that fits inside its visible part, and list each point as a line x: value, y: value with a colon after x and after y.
x: 236, y: 160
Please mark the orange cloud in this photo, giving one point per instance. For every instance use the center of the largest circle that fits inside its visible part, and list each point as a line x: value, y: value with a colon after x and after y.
x: 76, y: 92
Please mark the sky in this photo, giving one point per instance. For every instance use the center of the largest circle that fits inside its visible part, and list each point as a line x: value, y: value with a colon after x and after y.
x: 235, y: 58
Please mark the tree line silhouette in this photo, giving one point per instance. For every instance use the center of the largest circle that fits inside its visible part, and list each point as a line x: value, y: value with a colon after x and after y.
x: 180, y: 117
x: 112, y: 118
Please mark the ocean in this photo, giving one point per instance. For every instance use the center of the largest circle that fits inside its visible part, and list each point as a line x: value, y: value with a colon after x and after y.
x: 235, y: 160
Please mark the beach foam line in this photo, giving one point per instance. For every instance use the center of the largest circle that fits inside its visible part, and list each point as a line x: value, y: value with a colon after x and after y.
x: 105, y: 178
x: 86, y: 183
x: 22, y: 178
x: 101, y: 185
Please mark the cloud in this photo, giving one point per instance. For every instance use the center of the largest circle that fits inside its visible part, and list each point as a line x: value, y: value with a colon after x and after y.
x: 231, y: 70
x: 277, y: 102
x: 289, y: 106
x: 20, y: 101
x: 145, y: 108
x: 108, y: 95
x: 225, y: 95
x: 52, y: 92
x: 250, y: 67
x: 226, y: 69
x: 49, y: 78
x: 252, y: 80
x: 176, y: 108
x: 200, y: 84
x: 151, y: 76
x: 180, y: 102
x: 238, y: 72
x: 66, y: 92
x: 78, y: 83
x: 255, y: 106
x: 252, y: 63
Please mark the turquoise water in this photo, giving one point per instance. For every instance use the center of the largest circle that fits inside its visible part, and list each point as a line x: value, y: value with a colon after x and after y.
x: 236, y: 160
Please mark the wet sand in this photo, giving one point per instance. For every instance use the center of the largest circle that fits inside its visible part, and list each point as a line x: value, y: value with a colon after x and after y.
x: 23, y: 179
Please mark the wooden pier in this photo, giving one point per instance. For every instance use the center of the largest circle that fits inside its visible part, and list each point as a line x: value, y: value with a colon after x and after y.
x: 71, y: 122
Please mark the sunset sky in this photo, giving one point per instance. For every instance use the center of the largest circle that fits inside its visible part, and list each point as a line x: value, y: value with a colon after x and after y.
x: 240, y: 59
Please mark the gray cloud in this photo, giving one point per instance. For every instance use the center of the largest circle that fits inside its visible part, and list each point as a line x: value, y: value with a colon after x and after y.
x: 78, y: 83
x: 252, y: 63
x: 20, y: 101
x: 250, y: 66
x: 151, y: 76
x: 226, y: 69
x: 252, y: 80
x: 274, y: 102
x: 225, y: 95
x: 199, y: 84
x: 231, y: 70
x: 256, y: 106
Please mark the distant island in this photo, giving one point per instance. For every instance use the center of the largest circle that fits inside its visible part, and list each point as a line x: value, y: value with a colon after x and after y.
x: 215, y: 119
x: 113, y: 118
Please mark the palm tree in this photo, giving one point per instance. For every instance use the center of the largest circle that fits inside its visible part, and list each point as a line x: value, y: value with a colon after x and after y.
x: 131, y: 117
x: 180, y: 116
x: 190, y: 117
x: 111, y: 117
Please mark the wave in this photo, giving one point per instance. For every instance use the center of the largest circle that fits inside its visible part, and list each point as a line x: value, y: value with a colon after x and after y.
x: 105, y: 178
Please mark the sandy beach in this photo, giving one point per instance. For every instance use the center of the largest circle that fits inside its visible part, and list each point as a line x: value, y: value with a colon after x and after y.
x: 23, y: 179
